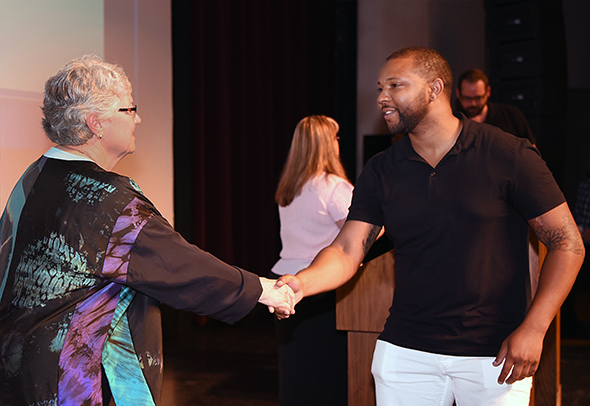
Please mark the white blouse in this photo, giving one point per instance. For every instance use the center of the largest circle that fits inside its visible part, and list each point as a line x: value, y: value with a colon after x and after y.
x: 308, y: 224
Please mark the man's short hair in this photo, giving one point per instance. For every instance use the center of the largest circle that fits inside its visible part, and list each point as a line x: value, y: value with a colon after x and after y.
x: 473, y: 76
x: 429, y: 64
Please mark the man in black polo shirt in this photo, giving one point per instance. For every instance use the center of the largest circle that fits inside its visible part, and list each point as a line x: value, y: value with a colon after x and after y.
x: 473, y: 94
x: 457, y: 198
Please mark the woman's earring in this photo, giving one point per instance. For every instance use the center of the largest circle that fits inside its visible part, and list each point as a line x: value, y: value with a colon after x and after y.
x: 100, y: 136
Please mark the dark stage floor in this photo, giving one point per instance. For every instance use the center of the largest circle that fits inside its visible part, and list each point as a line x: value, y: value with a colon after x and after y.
x: 219, y: 365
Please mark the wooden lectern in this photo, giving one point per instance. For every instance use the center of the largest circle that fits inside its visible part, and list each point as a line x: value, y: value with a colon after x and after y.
x: 363, y: 306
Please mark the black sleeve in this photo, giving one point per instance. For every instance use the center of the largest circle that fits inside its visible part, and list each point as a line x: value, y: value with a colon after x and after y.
x: 523, y: 128
x: 534, y: 190
x: 367, y: 196
x: 164, y: 266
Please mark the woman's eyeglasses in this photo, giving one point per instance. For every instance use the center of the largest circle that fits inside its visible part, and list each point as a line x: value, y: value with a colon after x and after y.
x: 132, y: 110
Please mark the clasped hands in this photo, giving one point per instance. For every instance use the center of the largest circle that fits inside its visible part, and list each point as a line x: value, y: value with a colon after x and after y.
x: 281, y: 296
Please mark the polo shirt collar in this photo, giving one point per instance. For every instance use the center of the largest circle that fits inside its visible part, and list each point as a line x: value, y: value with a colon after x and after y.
x: 466, y: 140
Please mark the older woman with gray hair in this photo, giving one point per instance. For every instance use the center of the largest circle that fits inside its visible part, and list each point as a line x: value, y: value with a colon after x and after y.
x: 86, y: 259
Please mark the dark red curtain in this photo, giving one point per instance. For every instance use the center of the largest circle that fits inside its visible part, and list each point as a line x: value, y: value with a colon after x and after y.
x: 245, y: 72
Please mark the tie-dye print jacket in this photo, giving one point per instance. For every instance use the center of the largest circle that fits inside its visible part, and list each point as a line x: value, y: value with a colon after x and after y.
x: 85, y: 261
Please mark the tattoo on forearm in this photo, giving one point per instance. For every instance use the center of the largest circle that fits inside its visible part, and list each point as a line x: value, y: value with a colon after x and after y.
x: 565, y: 238
x: 373, y: 233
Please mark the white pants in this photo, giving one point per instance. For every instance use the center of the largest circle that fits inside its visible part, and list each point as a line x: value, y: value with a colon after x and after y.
x: 405, y: 377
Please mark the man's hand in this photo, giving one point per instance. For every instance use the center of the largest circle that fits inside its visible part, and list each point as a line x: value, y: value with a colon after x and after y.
x: 291, y: 282
x: 278, y: 298
x: 294, y: 283
x: 520, y: 353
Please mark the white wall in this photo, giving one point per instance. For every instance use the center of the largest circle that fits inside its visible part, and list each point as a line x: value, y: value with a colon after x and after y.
x: 138, y: 36
x: 38, y: 36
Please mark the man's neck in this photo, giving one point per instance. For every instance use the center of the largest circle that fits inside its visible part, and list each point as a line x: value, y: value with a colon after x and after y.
x: 434, y: 137
x: 481, y: 117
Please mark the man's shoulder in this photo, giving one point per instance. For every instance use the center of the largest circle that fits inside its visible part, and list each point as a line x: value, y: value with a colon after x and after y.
x: 504, y: 109
x: 477, y: 130
x: 511, y: 119
x: 491, y: 137
x: 399, y: 150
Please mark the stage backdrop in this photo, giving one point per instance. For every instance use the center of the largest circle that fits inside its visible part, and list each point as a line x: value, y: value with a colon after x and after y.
x: 244, y: 74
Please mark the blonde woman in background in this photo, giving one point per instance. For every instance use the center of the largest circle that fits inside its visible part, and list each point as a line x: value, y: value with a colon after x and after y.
x: 313, y: 197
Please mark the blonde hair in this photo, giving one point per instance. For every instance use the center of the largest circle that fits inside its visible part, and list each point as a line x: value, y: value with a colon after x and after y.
x: 312, y: 152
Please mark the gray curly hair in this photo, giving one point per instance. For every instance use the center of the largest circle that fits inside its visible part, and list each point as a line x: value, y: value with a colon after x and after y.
x: 81, y: 86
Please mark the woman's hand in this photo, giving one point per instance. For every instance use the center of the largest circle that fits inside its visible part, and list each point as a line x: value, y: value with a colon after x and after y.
x: 279, y: 298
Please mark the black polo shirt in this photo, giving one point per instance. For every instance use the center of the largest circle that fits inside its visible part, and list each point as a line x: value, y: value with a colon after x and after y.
x: 460, y: 235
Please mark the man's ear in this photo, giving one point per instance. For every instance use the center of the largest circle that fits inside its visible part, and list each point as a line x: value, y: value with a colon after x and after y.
x: 94, y: 123
x: 436, y: 88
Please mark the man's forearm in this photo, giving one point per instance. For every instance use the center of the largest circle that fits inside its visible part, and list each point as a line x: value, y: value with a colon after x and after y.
x: 330, y: 269
x: 557, y: 230
x: 336, y: 264
x: 558, y: 274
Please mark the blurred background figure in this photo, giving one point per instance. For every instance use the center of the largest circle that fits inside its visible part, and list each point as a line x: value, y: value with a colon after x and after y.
x: 576, y: 316
x: 473, y: 93
x: 86, y: 259
x: 582, y: 209
x: 313, y: 197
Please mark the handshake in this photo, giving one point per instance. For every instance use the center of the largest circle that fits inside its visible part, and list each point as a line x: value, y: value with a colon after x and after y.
x: 281, y: 296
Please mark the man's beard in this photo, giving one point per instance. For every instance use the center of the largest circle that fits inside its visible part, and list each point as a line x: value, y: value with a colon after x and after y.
x: 410, y: 117
x: 473, y: 111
